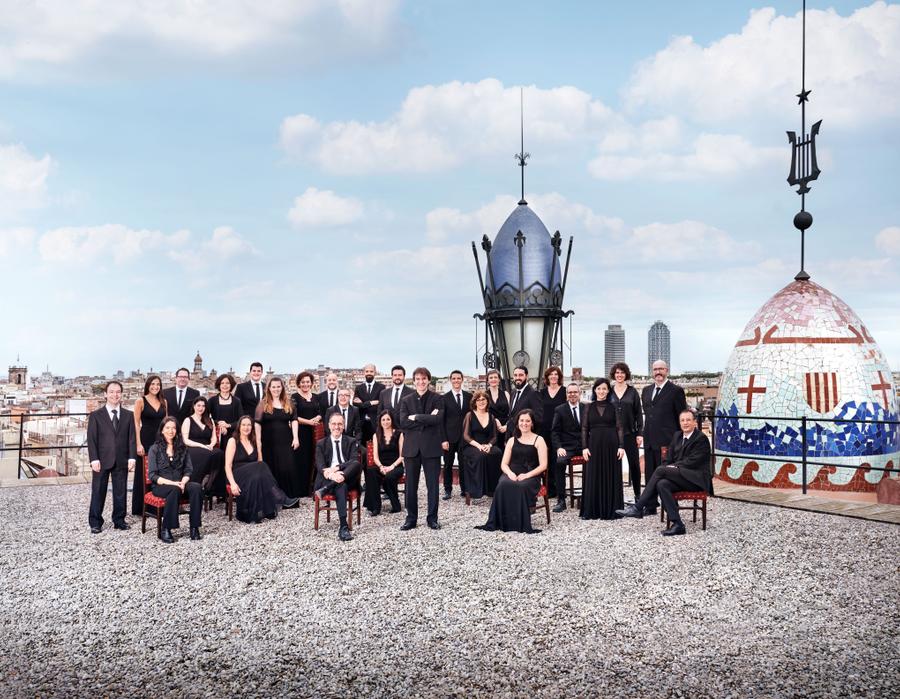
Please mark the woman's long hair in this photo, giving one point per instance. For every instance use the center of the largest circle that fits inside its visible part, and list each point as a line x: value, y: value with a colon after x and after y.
x: 268, y: 401
x: 594, y: 388
x: 178, y: 447
x: 379, y: 431
x: 530, y: 413
x: 237, y: 431
x: 206, y: 419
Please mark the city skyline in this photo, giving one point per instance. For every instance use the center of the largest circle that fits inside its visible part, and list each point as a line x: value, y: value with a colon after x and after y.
x: 300, y: 177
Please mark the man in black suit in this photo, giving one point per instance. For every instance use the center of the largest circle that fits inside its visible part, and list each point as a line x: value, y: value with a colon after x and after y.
x: 456, y: 405
x: 566, y: 438
x: 112, y: 450
x: 523, y: 396
x: 352, y: 422
x: 328, y: 397
x: 393, y: 394
x: 337, y: 463
x: 250, y: 392
x: 180, y: 397
x: 421, y: 420
x: 365, y: 398
x: 663, y: 401
x: 686, y: 467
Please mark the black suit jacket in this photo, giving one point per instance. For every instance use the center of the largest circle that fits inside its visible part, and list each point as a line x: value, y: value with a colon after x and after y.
x: 661, y: 415
x: 530, y: 399
x: 453, y: 416
x: 245, y: 393
x: 422, y: 436
x: 366, y: 411
x: 112, y: 448
x: 171, y: 396
x: 350, y: 465
x: 323, y: 401
x: 387, y: 395
x: 691, y: 458
x: 566, y: 433
x: 353, y: 423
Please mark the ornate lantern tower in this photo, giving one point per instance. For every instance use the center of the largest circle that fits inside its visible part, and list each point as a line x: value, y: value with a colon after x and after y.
x: 523, y: 291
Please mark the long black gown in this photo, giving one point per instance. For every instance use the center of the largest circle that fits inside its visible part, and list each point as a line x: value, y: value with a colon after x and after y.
x: 150, y: 422
x: 206, y: 462
x: 482, y: 470
x: 305, y: 455
x: 260, y: 495
x: 388, y: 453
x: 278, y: 454
x: 546, y: 428
x: 602, y: 434
x: 499, y: 410
x: 513, y: 500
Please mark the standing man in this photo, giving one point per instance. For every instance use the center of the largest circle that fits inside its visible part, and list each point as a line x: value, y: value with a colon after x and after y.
x: 328, y: 397
x: 523, y: 396
x: 250, y: 392
x: 663, y: 401
x: 112, y: 450
x: 180, y: 397
x: 456, y: 405
x: 337, y: 463
x: 366, y: 399
x: 421, y: 420
x: 566, y: 437
x: 352, y: 422
x: 397, y: 391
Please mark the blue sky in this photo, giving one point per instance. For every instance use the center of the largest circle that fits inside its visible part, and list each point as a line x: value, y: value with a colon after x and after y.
x: 300, y: 184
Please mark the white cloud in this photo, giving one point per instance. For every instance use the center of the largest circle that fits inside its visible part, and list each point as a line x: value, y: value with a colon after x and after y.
x: 853, y: 68
x: 685, y: 240
x: 16, y: 241
x: 23, y: 178
x: 322, y: 208
x: 888, y: 240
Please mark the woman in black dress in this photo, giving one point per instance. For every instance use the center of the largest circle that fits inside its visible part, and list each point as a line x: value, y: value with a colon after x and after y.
x: 601, y: 439
x: 276, y: 437
x: 524, y: 460
x: 498, y: 404
x: 387, y: 466
x: 481, y: 455
x: 255, y: 489
x: 309, y: 414
x: 199, y: 435
x: 149, y: 411
x: 225, y: 408
x: 627, y: 403
x: 552, y: 395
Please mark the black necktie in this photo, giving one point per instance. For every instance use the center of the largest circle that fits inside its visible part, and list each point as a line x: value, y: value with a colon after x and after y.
x: 116, y: 420
x: 655, y: 394
x: 575, y: 414
x: 331, y: 399
x: 516, y: 400
x: 344, y: 413
x: 180, y: 391
x: 337, y: 450
x: 396, y: 396
x: 459, y: 401
x: 256, y: 386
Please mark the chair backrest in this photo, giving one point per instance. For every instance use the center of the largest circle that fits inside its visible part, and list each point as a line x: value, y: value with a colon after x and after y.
x: 319, y: 431
x: 145, y: 464
x: 370, y: 454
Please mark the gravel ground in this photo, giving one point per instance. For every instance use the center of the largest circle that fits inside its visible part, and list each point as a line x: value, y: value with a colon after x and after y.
x: 767, y: 602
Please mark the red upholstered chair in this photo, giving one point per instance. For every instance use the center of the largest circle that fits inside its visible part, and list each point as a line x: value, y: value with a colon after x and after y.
x: 542, y: 493
x: 698, y: 504
x: 328, y: 503
x: 229, y: 502
x: 319, y: 431
x: 151, y: 500
x: 573, y: 462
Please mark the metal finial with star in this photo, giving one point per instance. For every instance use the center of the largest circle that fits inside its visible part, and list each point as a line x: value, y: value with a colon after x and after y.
x: 804, y: 167
x: 522, y: 156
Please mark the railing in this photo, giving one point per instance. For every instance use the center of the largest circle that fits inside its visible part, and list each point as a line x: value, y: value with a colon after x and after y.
x: 22, y: 447
x: 804, y: 421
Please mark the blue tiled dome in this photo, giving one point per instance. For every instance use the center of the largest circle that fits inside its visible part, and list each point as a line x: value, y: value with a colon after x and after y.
x: 538, y: 258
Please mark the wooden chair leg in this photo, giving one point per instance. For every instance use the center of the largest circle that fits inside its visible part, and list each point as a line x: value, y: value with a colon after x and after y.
x: 695, y: 508
x: 144, y: 519
x: 547, y: 507
x: 358, y: 509
x: 571, y: 485
x: 468, y: 499
x: 704, y: 515
x: 351, y: 508
x: 316, y: 519
x: 158, y: 522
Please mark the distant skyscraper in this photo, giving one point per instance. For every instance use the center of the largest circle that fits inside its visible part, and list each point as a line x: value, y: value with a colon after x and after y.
x: 658, y: 346
x: 615, y: 346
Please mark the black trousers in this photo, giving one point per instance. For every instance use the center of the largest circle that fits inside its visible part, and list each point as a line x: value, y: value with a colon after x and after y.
x: 172, y: 494
x: 454, y: 452
x: 561, y: 472
x: 664, y: 481
x: 99, y: 484
x: 413, y: 465
x: 652, y: 459
x: 351, y: 470
x: 375, y: 482
x: 366, y: 432
x: 634, y: 463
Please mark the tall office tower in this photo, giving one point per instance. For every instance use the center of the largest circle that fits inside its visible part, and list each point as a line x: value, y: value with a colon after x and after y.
x: 658, y: 346
x: 614, y: 339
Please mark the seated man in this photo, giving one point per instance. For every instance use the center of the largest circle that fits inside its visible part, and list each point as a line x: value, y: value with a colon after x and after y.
x: 337, y: 464
x: 350, y: 413
x: 566, y: 438
x: 684, y: 467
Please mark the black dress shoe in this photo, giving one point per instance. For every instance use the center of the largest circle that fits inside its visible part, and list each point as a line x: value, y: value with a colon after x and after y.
x: 446, y: 495
x: 124, y: 526
x: 395, y: 509
x: 677, y: 529
x: 650, y: 510
x: 344, y: 534
x: 374, y: 513
x: 407, y: 525
x: 195, y: 534
x: 560, y: 506
x: 166, y: 536
x: 631, y: 511
x: 320, y: 493
x: 96, y: 530
x: 291, y: 503
x: 434, y: 525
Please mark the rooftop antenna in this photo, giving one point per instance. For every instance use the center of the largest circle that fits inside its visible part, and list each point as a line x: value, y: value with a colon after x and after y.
x: 522, y: 156
x: 804, y: 168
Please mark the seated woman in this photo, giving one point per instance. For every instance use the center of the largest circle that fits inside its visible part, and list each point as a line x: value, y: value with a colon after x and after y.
x: 481, y: 455
x: 200, y: 438
x: 256, y: 493
x: 524, y: 460
x: 387, y: 467
x: 169, y: 469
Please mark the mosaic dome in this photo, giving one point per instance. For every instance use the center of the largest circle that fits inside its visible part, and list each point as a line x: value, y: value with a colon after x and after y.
x: 538, y: 258
x: 806, y: 354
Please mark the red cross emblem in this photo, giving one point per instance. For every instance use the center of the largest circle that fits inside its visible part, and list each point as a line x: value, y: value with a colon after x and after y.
x: 884, y: 387
x: 750, y: 389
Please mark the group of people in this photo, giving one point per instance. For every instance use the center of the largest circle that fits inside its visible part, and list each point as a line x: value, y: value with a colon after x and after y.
x: 256, y: 443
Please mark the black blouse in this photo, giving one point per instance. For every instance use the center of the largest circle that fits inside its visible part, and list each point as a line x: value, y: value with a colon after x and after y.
x: 631, y: 414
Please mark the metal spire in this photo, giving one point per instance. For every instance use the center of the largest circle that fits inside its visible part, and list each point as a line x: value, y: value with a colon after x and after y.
x: 804, y: 168
x: 522, y: 156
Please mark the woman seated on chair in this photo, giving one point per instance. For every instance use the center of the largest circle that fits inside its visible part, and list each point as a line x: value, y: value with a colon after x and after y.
x: 387, y: 467
x: 481, y: 455
x: 199, y: 436
x: 253, y: 486
x: 169, y: 470
x: 524, y: 460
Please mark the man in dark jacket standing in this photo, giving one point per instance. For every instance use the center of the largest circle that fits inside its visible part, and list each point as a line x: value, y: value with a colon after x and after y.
x: 421, y: 420
x: 112, y: 450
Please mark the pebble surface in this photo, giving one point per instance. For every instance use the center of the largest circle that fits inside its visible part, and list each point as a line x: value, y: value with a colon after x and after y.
x: 767, y: 602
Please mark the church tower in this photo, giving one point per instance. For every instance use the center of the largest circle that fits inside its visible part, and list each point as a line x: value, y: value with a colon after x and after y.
x: 18, y: 374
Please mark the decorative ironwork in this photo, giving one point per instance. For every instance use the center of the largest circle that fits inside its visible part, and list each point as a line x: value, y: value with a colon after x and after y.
x: 521, y: 358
